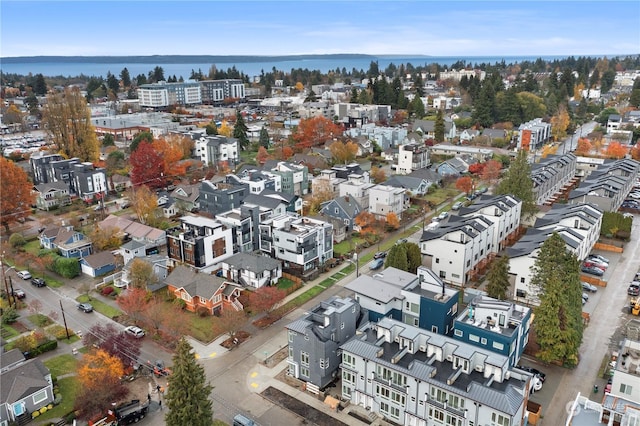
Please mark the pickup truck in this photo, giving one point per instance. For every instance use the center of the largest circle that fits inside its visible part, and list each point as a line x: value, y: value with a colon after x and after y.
x: 131, y: 412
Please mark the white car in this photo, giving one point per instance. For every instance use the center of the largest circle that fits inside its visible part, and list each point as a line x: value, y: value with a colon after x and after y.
x: 134, y: 331
x: 599, y: 256
x: 25, y: 275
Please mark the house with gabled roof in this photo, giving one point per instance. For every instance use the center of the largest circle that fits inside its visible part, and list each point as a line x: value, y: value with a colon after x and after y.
x: 202, y: 291
x: 25, y: 387
x: 52, y: 195
x: 186, y: 197
x: 68, y: 242
x: 130, y: 229
x: 344, y: 209
x: 428, y: 128
x: 98, y: 264
x: 452, y: 167
x: 413, y: 185
x: 503, y: 210
x: 251, y: 270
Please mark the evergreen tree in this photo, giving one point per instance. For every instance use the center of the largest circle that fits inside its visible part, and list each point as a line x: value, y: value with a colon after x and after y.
x: 240, y: 131
x: 108, y: 140
x: 397, y: 258
x: 418, y: 84
x: 485, y: 105
x: 364, y: 98
x: 414, y: 257
x: 311, y: 97
x: 416, y: 108
x: 142, y: 136
x: 188, y: 391
x: 211, y: 129
x: 438, y: 129
x: 509, y: 107
x: 112, y: 83
x: 125, y: 78
x: 558, y: 324
x: 264, y: 137
x: 517, y: 181
x: 354, y: 96
x: 40, y: 86
x: 498, y: 278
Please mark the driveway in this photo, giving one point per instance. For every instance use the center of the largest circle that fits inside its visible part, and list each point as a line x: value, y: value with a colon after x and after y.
x: 608, y: 312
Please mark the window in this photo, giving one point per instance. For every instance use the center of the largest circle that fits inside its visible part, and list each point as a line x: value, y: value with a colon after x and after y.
x: 304, y: 372
x: 348, y: 377
x: 437, y: 260
x: 499, y: 420
x: 497, y: 345
x: 521, y: 293
x: 304, y: 359
x: 324, y: 363
x: 342, y: 326
x: 458, y: 333
x: 474, y: 338
x: 348, y: 360
x: 625, y: 389
x: 434, y: 328
x: 416, y: 322
x: 522, y: 280
x: 443, y: 274
x: 483, y: 341
x: 292, y: 334
x: 40, y: 396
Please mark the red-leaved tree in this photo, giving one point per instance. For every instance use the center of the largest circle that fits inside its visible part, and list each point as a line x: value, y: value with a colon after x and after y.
x: 265, y: 298
x: 147, y: 166
x: 315, y: 131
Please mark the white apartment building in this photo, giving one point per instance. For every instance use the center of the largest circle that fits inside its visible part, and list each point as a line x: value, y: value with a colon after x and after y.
x: 384, y: 199
x: 326, y: 182
x: 163, y: 94
x: 458, y: 247
x: 216, y: 91
x: 302, y: 243
x: 415, y: 377
x: 212, y: 150
x: 533, y: 134
x: 412, y: 156
x: 503, y: 211
x: 357, y: 186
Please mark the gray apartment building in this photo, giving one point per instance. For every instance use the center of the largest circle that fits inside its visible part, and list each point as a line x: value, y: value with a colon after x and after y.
x: 39, y: 163
x: 214, y: 92
x: 219, y: 197
x: 295, y: 177
x: 314, y: 340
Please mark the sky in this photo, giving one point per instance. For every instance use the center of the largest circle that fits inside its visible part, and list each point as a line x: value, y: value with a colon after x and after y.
x: 434, y: 28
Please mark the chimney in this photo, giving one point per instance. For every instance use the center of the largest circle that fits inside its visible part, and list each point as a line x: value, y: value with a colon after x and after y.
x: 346, y: 198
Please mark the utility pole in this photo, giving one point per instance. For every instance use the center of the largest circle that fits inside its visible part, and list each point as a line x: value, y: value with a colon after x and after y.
x: 64, y: 319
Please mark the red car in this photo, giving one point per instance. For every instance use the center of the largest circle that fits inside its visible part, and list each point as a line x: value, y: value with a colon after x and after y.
x: 598, y: 265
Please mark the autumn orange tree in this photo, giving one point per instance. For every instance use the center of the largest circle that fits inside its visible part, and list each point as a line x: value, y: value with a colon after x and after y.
x: 560, y: 123
x: 464, y: 184
x: 377, y: 174
x: 616, y: 150
x: 584, y: 147
x: 491, y: 170
x: 370, y: 226
x: 16, y: 196
x: 635, y: 152
x: 315, y: 131
x: 99, y: 376
x: 171, y: 151
x: 262, y: 155
x: 134, y: 303
x: 393, y: 222
x: 549, y: 149
x: 343, y: 153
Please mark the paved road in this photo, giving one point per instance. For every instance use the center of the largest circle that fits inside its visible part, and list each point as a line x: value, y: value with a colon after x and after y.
x: 608, y: 313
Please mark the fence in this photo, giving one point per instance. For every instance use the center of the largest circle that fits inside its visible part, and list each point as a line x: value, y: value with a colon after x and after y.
x: 293, y: 278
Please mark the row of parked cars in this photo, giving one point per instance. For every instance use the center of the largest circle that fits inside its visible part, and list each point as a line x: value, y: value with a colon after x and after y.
x: 595, y: 264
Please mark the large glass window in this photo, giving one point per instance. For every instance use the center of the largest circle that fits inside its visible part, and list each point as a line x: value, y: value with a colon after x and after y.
x: 38, y: 397
x: 304, y: 358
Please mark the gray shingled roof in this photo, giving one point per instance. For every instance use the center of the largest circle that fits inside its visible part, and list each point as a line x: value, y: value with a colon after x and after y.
x: 202, y: 285
x: 22, y: 380
x: 252, y: 262
x: 98, y: 260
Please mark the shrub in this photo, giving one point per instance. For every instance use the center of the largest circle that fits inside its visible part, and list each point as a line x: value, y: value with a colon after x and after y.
x: 107, y: 291
x: 45, y: 347
x: 59, y: 332
x: 9, y: 315
x: 17, y: 240
x: 68, y: 268
x: 202, y: 311
x: 180, y: 303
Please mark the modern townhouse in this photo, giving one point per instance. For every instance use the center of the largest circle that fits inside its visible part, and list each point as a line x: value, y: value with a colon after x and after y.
x: 621, y: 401
x: 552, y: 175
x: 200, y: 242
x: 495, y: 325
x: 294, y: 177
x: 215, y: 92
x: 217, y: 150
x: 52, y: 195
x: 326, y: 183
x: 40, y: 164
x: 344, y: 171
x: 163, y: 94
x: 252, y: 270
x: 608, y: 185
x: 384, y: 137
x: 302, y: 243
x: 503, y: 211
x: 479, y: 153
x: 415, y: 377
x: 421, y: 299
x: 533, y: 134
x: 412, y: 156
x: 89, y: 182
x: 219, y: 197
x: 384, y: 199
x: 258, y: 180
x: 579, y: 228
x: 358, y: 115
x: 314, y: 340
x: 446, y: 102
x: 357, y: 187
x: 459, y: 248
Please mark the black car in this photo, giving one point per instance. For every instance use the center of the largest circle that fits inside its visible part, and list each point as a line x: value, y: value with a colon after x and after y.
x: 380, y: 255
x: 85, y: 307
x: 532, y: 370
x: 634, y: 290
x: 592, y: 270
x: 38, y: 282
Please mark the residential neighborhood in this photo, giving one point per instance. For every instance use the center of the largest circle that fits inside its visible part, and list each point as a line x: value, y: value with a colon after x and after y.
x: 318, y: 248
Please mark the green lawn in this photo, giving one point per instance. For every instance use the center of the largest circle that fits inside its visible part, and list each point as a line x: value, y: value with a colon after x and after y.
x: 8, y: 332
x: 32, y: 247
x: 284, y: 283
x: 69, y: 388
x: 201, y: 327
x: 40, y: 320
x: 63, y: 364
x: 346, y: 246
x: 100, y: 306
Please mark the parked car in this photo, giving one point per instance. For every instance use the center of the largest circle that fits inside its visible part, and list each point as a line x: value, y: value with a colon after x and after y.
x: 592, y: 270
x: 402, y: 241
x: 597, y: 263
x: 19, y: 293
x: 38, y: 282
x: 443, y: 215
x: 589, y: 287
x: 532, y: 370
x: 585, y: 297
x: 634, y: 289
x: 380, y: 255
x: 134, y: 331
x: 85, y: 307
x: 456, y: 206
x: 25, y: 275
x: 376, y: 264
x: 598, y: 256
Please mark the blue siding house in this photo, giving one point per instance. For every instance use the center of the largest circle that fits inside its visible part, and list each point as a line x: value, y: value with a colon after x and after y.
x: 495, y: 325
x: 98, y: 264
x: 345, y: 209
